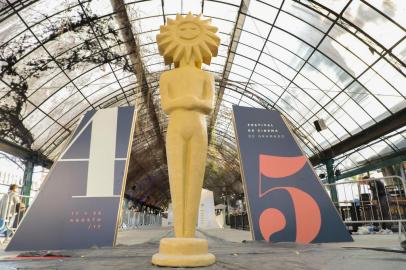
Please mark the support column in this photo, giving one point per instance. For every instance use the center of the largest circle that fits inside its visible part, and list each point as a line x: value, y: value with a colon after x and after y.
x: 331, y: 180
x: 26, y: 189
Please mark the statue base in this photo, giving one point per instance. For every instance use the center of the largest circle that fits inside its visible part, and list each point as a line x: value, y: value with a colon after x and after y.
x: 183, y: 252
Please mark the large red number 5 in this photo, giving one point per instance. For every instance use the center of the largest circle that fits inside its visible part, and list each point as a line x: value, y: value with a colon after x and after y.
x: 307, y: 211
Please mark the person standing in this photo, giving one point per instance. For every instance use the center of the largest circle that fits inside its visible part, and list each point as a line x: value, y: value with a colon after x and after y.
x: 9, y: 204
x: 380, y: 200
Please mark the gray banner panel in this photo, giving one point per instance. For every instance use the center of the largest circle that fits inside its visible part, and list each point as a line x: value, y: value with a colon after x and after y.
x: 81, y: 147
x: 287, y: 202
x: 63, y: 216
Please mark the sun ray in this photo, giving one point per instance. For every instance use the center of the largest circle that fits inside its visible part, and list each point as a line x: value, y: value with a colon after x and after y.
x: 206, y: 53
x: 165, y: 32
x: 189, y: 16
x: 214, y: 37
x: 188, y: 53
x: 180, y: 51
x: 205, y: 49
x: 212, y: 46
x: 206, y: 21
x: 171, y: 21
x: 163, y: 29
x: 198, y: 54
x: 163, y: 40
x: 170, y: 49
x: 212, y: 28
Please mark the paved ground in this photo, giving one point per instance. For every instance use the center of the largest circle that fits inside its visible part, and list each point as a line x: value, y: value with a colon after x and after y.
x: 135, y: 248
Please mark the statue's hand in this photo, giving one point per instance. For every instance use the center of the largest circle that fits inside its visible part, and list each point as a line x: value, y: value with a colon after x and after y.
x: 201, y: 105
x: 189, y: 103
x: 185, y: 102
x: 205, y: 106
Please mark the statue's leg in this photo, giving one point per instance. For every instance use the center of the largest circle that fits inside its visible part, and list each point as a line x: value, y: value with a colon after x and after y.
x: 197, y: 153
x: 175, y: 152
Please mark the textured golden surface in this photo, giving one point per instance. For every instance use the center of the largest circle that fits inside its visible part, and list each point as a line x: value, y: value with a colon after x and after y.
x: 187, y: 97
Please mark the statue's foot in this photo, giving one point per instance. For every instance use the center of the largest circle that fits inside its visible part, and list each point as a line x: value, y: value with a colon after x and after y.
x: 183, y: 252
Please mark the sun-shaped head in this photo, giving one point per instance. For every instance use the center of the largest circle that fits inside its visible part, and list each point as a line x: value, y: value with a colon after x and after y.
x: 188, y: 38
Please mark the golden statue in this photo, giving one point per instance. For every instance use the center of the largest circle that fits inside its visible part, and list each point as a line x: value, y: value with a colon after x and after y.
x: 187, y: 97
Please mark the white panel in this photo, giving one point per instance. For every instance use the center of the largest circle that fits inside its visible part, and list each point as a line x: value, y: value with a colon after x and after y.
x: 207, y: 217
x: 100, y: 177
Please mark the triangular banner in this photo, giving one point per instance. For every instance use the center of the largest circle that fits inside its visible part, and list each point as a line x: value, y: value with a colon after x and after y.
x: 78, y: 203
x: 286, y: 200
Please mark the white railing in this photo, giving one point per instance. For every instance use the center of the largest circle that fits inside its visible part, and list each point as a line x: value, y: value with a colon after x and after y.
x: 131, y: 219
x: 375, y: 201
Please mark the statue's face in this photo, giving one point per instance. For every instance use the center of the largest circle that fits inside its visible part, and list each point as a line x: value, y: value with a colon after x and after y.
x: 188, y: 31
x: 188, y: 39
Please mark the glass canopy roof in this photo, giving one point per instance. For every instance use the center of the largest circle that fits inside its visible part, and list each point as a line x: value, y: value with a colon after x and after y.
x: 337, y: 60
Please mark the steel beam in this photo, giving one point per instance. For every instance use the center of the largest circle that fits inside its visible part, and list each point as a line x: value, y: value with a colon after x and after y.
x: 376, y: 164
x: 235, y: 38
x: 133, y: 50
x: 389, y: 124
x: 27, y: 154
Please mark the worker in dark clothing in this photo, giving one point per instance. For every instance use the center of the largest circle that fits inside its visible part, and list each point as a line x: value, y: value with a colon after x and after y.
x: 381, y: 200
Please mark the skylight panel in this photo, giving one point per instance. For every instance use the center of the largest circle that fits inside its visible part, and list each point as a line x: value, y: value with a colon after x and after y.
x: 373, y: 23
